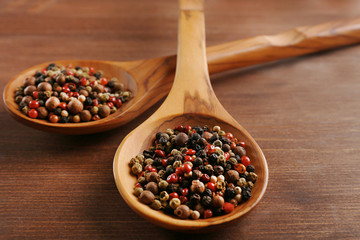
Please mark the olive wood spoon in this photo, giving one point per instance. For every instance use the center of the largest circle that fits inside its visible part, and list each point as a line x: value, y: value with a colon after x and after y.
x: 191, y: 101
x: 150, y: 80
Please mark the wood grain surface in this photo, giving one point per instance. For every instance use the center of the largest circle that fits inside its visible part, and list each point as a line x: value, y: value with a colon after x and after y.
x: 304, y: 114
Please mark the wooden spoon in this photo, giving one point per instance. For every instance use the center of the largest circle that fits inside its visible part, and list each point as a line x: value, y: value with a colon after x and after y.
x: 191, y: 101
x: 150, y: 80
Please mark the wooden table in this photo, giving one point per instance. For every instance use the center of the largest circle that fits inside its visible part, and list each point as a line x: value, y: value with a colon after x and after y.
x: 303, y: 112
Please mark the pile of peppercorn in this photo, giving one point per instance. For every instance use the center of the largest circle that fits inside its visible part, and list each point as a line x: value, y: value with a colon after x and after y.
x: 70, y: 94
x: 194, y: 172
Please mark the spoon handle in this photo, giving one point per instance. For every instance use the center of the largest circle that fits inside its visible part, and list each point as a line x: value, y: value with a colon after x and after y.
x: 295, y: 42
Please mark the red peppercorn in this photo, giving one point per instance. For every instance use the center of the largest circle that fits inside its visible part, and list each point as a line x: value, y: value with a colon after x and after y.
x: 43, y: 71
x: 178, y: 171
x: 211, y: 186
x: 92, y: 83
x: 53, y: 118
x: 35, y: 94
x: 34, y: 104
x: 83, y: 81
x: 229, y: 136
x: 205, y: 178
x: 233, y: 145
x: 95, y: 102
x: 70, y: 94
x: 148, y: 167
x: 181, y: 178
x: 190, y: 152
x: 68, y: 72
x: 66, y: 89
x: 33, y: 113
x: 76, y: 94
x: 153, y: 169
x: 160, y: 153
x: 163, y: 162
x: 112, y: 99
x: 210, y: 149
x: 228, y: 207
x: 185, y: 191
x: 110, y: 104
x: 104, y: 81
x: 186, y: 168
x: 240, y: 168
x: 183, y: 199
x: 242, y: 144
x: 188, y: 158
x: 188, y: 128
x: 173, y: 195
x: 179, y: 128
x: 172, y: 178
x: 138, y: 185
x: 63, y: 106
x: 141, y: 174
x: 227, y: 155
x: 118, y: 103
x: 91, y: 70
x: 208, y: 213
x: 245, y: 160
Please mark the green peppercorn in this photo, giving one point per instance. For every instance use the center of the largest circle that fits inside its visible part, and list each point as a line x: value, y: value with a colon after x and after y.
x: 164, y: 196
x: 156, y: 205
x: 241, y: 182
x: 138, y: 191
x: 174, y: 203
x: 163, y: 184
x: 252, y: 177
x: 136, y: 169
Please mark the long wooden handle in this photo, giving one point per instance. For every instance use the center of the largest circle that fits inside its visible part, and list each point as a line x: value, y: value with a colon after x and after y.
x: 295, y: 42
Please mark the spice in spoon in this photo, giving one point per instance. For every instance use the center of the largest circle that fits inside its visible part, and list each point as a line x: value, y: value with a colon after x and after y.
x: 62, y: 94
x: 194, y: 172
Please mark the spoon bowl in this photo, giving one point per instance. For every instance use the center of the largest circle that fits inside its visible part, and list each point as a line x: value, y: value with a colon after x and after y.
x: 141, y: 139
x: 191, y: 101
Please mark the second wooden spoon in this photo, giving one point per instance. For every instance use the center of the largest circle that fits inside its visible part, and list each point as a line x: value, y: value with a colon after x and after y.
x: 150, y: 80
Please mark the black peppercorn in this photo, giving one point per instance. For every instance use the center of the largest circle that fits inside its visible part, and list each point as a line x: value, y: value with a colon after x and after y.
x: 213, y: 157
x: 98, y: 75
x: 217, y: 211
x: 111, y: 84
x: 218, y: 170
x: 208, y: 192
x: 214, y: 137
x: 245, y: 193
x: 228, y: 167
x: 39, y: 80
x: 41, y: 102
x: 195, y: 199
x: 162, y: 141
x: 158, y: 135
x: 22, y: 104
x: 195, y: 137
x: 57, y: 111
x: 197, y: 162
x: 63, y: 119
x: 199, y: 130
x: 38, y: 74
x: 88, y: 101
x: 172, y: 188
x: 229, y: 193
x: 201, y: 154
x: 176, y: 158
x: 186, y: 183
x: 169, y: 170
x: 157, y: 162
x: 77, y: 67
x: 250, y: 168
x: 171, y: 160
x: 206, y: 201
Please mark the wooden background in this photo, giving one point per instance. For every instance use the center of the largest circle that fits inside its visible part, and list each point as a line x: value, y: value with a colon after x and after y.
x: 303, y: 112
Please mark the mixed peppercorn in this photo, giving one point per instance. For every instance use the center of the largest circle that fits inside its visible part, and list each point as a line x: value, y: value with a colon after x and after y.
x: 64, y: 94
x: 194, y: 172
